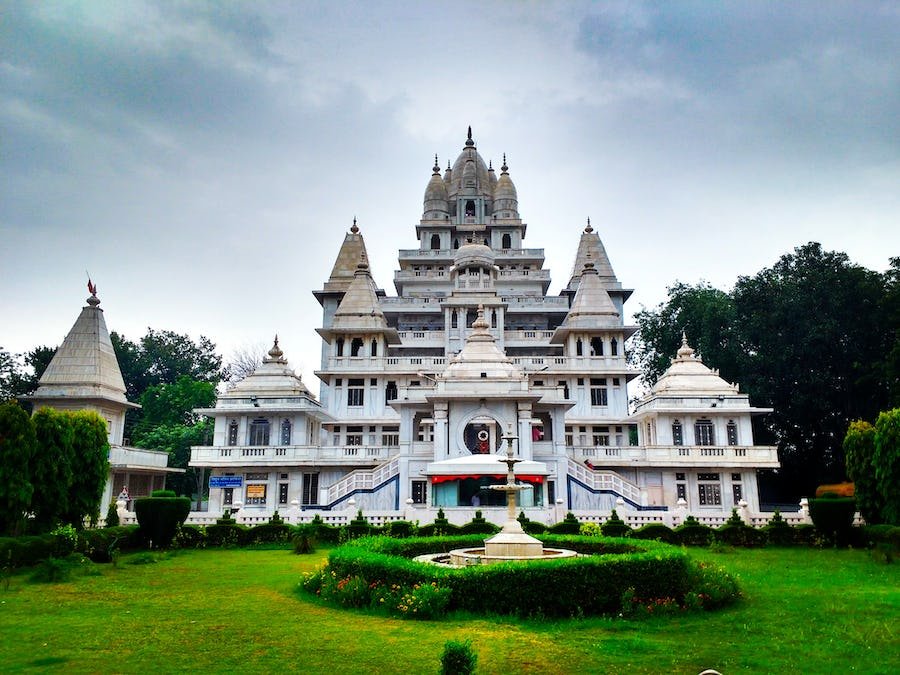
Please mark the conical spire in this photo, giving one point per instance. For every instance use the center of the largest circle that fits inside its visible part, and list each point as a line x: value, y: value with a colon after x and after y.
x: 85, y: 365
x: 353, y: 247
x: 591, y: 308
x: 591, y: 248
x: 360, y: 309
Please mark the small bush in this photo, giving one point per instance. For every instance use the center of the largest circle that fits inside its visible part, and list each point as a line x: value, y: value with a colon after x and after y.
x: 569, y: 525
x: 534, y: 527
x: 276, y: 519
x: 103, y: 545
x: 190, y: 536
x: 303, y: 543
x: 159, y: 518
x: 270, y: 533
x: 358, y: 527
x: 615, y: 526
x: 735, y: 532
x: 26, y: 551
x: 693, y: 533
x: 777, y: 531
x: 804, y: 534
x: 226, y: 534
x: 458, y: 658
x: 163, y: 494
x: 112, y: 515
x: 833, y: 517
x: 66, y: 540
x: 400, y: 529
x: 589, y: 530
x: 657, y: 532
x: 58, y: 570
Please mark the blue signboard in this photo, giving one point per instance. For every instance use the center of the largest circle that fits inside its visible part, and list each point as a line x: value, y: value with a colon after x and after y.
x: 226, y: 481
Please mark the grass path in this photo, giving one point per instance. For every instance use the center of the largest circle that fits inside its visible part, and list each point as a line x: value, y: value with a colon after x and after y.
x: 806, y: 611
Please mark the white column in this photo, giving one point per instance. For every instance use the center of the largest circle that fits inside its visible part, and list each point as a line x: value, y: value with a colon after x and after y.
x: 440, y: 432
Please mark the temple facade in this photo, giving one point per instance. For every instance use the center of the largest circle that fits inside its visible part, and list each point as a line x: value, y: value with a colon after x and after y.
x: 421, y: 389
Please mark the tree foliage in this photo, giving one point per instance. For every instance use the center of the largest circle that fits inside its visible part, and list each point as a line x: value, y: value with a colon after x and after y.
x: 19, y: 373
x: 809, y: 336
x: 859, y: 454
x: 17, y: 446
x: 90, y: 467
x: 177, y: 439
x: 887, y: 463
x: 173, y: 404
x: 52, y: 467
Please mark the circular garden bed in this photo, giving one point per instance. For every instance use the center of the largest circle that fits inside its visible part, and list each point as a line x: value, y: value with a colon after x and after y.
x: 615, y: 576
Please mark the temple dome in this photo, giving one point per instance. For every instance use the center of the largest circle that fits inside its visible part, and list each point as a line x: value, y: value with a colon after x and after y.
x: 469, y: 175
x: 436, y: 203
x: 471, y: 254
x: 481, y: 358
x: 274, y: 378
x: 689, y: 376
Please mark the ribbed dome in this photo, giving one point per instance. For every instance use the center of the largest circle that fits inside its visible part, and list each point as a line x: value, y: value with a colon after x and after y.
x: 471, y: 254
x: 273, y: 378
x: 505, y: 196
x: 687, y: 375
x: 469, y: 175
x: 436, y: 201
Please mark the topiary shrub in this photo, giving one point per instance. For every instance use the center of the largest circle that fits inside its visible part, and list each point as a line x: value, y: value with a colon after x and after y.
x: 458, y: 658
x: 303, y: 542
x: 321, y: 531
x: 26, y: 551
x: 103, y: 545
x: 358, y: 527
x: 657, y: 532
x: 160, y: 516
x: 569, y: 525
x: 534, y: 527
x: 805, y: 534
x: 615, y: 526
x: 112, y: 515
x: 276, y: 519
x: 163, y: 493
x: 777, y: 531
x: 736, y: 532
x: 832, y: 517
x: 693, y: 533
x: 478, y: 525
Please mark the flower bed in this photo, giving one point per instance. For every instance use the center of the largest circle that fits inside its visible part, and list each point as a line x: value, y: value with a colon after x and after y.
x: 615, y: 572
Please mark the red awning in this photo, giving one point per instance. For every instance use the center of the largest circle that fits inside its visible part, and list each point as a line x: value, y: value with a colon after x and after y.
x: 444, y: 479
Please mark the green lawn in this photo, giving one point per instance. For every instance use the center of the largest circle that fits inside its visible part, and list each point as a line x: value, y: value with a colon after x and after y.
x: 806, y: 611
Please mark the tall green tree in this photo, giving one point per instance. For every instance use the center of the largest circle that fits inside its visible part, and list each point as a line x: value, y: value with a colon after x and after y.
x: 887, y: 463
x: 859, y: 454
x: 704, y: 314
x: 890, y: 327
x: 17, y: 446
x: 173, y: 404
x: 809, y: 328
x: 51, y: 467
x: 90, y: 467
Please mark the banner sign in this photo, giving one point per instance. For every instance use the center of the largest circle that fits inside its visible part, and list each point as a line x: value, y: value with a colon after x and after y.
x: 256, y: 491
x: 226, y: 481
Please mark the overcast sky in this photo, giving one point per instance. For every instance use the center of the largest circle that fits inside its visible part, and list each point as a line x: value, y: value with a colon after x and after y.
x: 204, y: 160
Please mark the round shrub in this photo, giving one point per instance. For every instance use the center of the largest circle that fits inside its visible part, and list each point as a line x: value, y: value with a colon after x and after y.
x: 458, y: 658
x: 615, y: 526
x: 400, y: 528
x: 833, y: 517
x: 190, y: 536
x: 159, y: 517
x: 657, y: 532
x: 739, y: 534
x: 569, y: 525
x: 112, y: 515
x: 693, y: 533
x: 777, y: 531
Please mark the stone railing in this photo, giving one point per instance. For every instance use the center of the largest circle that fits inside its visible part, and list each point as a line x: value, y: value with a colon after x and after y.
x: 605, y: 480
x: 287, y: 454
x: 757, y: 455
x: 361, y: 480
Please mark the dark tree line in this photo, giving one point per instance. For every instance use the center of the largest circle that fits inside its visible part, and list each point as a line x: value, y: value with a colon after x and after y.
x: 815, y: 336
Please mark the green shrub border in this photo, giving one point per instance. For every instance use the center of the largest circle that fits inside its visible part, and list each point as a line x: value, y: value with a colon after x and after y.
x: 580, y: 586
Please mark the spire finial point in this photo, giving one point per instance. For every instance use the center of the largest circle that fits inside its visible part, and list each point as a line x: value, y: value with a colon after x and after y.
x: 93, y: 300
x: 589, y: 229
x: 504, y: 168
x: 354, y: 229
x: 685, y: 351
x: 469, y: 141
x: 436, y: 170
x: 275, y: 352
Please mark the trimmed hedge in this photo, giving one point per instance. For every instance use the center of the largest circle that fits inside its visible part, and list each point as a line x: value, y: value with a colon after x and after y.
x: 226, y: 534
x: 159, y: 517
x: 693, y: 533
x: 270, y: 533
x: 26, y: 551
x: 657, y: 532
x: 569, y: 525
x: 833, y: 517
x: 587, y: 585
x: 615, y: 526
x: 100, y: 544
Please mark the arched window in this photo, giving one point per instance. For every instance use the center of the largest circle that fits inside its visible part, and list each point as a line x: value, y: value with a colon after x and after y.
x: 456, y: 243
x: 233, y: 432
x: 355, y: 346
x: 374, y: 349
x: 470, y: 209
x: 486, y: 243
x: 285, y: 432
x: 507, y: 241
x: 339, y: 343
x: 614, y: 347
x: 493, y: 318
x: 435, y: 242
x: 454, y: 320
x: 596, y: 346
x: 579, y: 348
x: 677, y: 433
x: 732, y: 433
x: 703, y: 432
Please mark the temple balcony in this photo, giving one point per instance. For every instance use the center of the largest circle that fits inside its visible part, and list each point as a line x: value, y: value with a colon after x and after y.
x: 287, y: 455
x: 676, y: 456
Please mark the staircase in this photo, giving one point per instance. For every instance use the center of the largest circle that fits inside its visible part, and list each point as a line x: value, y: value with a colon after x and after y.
x: 368, y: 480
x: 605, y: 481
